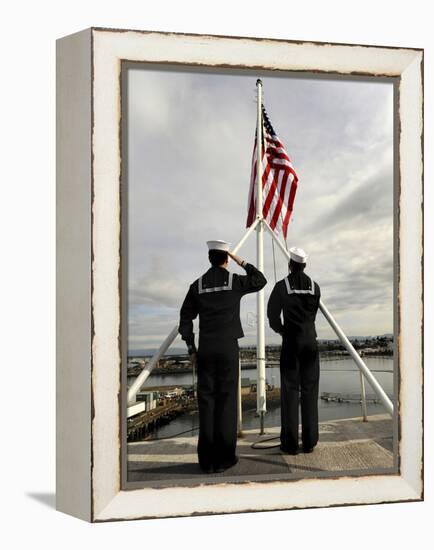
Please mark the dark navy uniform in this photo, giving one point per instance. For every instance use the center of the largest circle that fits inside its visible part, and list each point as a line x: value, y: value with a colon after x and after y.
x: 297, y: 296
x: 215, y: 297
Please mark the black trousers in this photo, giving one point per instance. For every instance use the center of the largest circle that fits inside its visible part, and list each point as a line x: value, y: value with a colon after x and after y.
x: 299, y: 374
x: 217, y: 393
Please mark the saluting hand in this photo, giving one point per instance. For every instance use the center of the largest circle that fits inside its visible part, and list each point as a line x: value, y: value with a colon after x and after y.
x: 236, y: 259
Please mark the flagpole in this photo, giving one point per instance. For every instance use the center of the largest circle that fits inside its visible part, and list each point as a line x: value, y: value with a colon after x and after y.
x: 260, y: 343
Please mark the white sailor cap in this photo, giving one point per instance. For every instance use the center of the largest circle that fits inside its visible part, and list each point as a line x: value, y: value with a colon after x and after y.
x: 298, y: 255
x: 218, y: 245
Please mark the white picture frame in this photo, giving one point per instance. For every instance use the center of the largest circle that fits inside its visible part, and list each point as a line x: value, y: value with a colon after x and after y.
x: 89, y: 324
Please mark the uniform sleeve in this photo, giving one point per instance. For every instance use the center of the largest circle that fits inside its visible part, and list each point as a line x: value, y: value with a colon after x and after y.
x: 189, y: 311
x: 252, y: 282
x: 274, y: 310
x: 318, y: 295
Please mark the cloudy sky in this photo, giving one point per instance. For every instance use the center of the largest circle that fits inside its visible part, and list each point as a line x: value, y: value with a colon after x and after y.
x: 190, y: 140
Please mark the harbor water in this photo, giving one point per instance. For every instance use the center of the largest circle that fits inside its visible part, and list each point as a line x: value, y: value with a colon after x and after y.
x: 336, y: 376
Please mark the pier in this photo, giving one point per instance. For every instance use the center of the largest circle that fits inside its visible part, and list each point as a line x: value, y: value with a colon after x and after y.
x: 143, y: 424
x: 338, y: 397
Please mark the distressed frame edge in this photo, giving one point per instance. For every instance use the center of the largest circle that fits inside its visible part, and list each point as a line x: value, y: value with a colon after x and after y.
x: 253, y: 38
x: 113, y: 510
x: 73, y: 293
x: 411, y: 154
x: 413, y: 496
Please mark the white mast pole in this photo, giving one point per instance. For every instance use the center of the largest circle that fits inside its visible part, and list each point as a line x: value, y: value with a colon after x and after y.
x: 260, y: 344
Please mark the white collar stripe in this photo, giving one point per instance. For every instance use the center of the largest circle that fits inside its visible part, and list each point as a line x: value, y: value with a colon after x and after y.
x: 216, y: 288
x: 290, y: 290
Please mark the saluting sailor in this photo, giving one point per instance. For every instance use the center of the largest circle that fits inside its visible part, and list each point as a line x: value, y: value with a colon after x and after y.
x: 215, y: 297
x: 297, y: 296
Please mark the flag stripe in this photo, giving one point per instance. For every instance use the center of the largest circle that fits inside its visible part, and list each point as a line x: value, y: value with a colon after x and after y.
x: 276, y: 204
x: 279, y: 181
x: 280, y: 209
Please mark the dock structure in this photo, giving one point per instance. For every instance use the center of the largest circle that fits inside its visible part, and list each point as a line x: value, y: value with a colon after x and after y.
x: 348, y: 445
x: 141, y: 425
x: 339, y: 397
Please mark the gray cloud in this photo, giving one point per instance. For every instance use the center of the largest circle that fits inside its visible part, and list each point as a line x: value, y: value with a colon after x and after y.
x: 371, y: 200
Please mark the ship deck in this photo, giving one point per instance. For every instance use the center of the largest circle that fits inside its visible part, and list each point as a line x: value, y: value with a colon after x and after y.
x: 345, y: 446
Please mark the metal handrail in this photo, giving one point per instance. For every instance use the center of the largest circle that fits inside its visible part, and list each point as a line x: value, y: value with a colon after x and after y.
x: 363, y: 397
x: 357, y: 359
x: 149, y: 367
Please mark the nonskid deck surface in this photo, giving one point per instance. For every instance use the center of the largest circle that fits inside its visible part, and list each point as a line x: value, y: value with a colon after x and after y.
x: 348, y: 445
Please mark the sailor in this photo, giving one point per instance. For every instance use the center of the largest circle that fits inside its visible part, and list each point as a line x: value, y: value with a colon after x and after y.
x: 297, y: 296
x: 215, y: 297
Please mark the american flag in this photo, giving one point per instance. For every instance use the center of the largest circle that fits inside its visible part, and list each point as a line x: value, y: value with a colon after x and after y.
x: 279, y: 181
